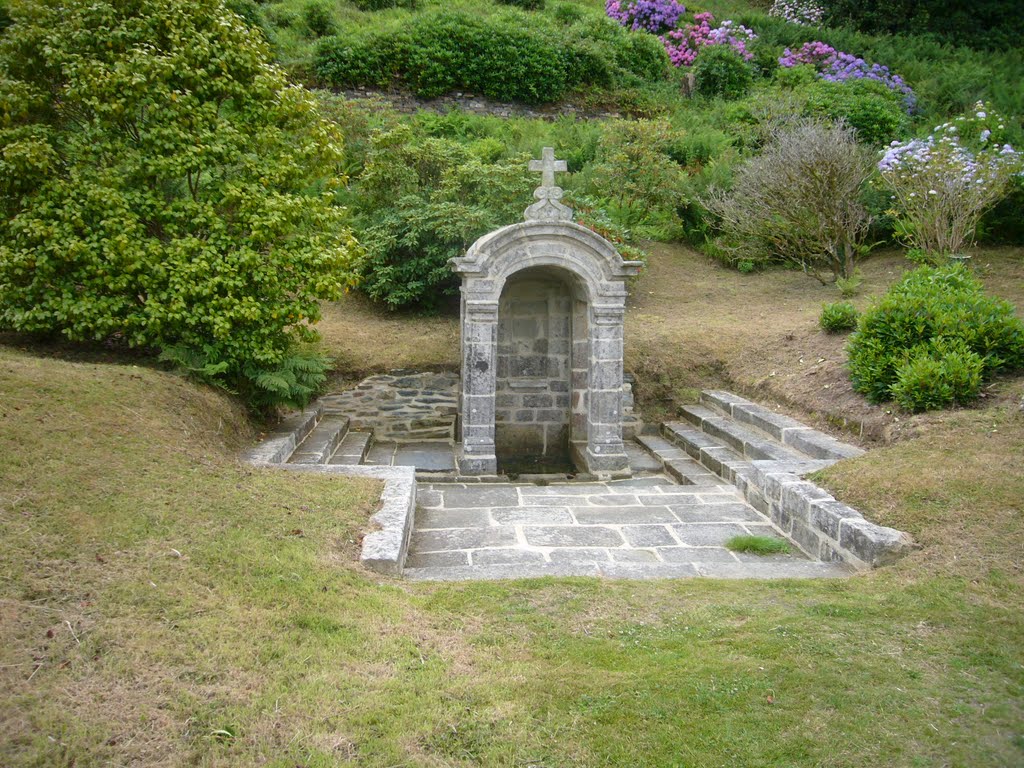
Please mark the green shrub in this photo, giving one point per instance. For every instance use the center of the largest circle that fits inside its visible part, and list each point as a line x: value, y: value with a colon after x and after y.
x: 838, y: 317
x: 877, y: 114
x: 937, y: 375
x: 170, y: 191
x: 721, y: 71
x: 319, y: 21
x: 422, y: 202
x: 526, y: 5
x: 380, y: 5
x: 933, y: 310
x: 509, y: 56
x: 360, y: 59
x: 635, y: 174
x: 568, y: 13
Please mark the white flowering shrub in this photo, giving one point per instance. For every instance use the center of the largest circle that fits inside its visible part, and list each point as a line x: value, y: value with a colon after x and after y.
x: 806, y: 13
x: 941, y: 185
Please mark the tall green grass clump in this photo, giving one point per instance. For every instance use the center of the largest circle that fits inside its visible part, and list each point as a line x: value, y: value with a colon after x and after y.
x: 932, y: 339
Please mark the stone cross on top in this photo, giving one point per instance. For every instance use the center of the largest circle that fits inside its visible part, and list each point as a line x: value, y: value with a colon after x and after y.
x: 548, y: 207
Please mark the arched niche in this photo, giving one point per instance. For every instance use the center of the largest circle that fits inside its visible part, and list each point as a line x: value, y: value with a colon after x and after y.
x: 581, y: 268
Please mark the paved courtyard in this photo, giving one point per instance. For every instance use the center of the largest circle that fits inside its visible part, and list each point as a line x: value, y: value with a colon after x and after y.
x: 645, y: 527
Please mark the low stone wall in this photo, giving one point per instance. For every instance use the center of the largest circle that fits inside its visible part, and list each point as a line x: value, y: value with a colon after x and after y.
x: 820, y: 525
x: 401, y: 406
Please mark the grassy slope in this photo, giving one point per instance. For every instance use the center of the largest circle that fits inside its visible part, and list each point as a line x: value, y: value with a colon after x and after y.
x: 260, y: 646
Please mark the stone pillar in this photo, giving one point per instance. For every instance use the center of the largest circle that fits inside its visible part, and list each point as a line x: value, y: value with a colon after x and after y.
x: 605, y: 454
x: 479, y: 364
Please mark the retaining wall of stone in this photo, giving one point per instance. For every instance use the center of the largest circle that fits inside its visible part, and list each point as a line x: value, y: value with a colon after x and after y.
x: 401, y: 406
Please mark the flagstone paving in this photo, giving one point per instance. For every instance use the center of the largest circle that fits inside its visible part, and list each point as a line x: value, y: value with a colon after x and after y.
x: 646, y: 527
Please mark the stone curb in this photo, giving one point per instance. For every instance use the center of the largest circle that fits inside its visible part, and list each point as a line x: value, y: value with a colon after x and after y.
x: 384, y: 549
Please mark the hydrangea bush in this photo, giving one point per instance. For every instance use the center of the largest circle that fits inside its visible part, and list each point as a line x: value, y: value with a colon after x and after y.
x: 839, y: 67
x: 942, y: 184
x: 805, y: 13
x: 683, y: 45
x: 655, y: 16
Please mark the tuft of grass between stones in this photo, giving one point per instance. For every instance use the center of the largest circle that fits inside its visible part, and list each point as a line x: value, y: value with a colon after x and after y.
x: 758, y: 545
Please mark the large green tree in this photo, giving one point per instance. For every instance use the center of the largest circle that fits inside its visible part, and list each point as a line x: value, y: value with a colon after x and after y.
x: 163, y: 183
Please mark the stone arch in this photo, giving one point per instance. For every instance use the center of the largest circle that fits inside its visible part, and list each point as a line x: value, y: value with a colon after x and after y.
x: 595, y: 378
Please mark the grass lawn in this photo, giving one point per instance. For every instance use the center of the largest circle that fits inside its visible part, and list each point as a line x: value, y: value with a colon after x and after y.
x: 161, y: 604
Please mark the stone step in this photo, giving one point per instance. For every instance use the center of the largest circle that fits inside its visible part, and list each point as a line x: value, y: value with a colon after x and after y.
x: 797, y: 569
x: 791, y: 433
x: 749, y: 443
x: 352, y: 449
x: 322, y: 442
x: 713, y: 453
x: 676, y: 462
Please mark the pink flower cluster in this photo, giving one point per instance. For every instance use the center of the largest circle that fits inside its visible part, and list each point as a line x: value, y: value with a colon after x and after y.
x: 683, y: 45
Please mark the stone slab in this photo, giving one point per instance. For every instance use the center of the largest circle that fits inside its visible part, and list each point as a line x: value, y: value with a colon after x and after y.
x: 572, y: 536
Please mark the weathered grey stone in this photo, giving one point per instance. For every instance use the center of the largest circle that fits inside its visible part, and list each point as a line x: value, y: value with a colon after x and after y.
x: 827, y: 514
x: 622, y: 515
x: 648, y: 536
x: 435, y: 559
x: 463, y: 538
x: 532, y: 516
x: 505, y: 557
x: 797, y: 498
x: 706, y: 535
x: 579, y: 555
x: 713, y: 513
x: 451, y: 518
x: 874, y: 544
x: 633, y: 556
x: 573, y: 536
x: 806, y: 537
x: 696, y: 555
x: 481, y: 496
x: 819, y: 445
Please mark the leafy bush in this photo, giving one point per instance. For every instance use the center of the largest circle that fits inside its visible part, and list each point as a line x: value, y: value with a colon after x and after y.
x: 526, y: 5
x: 684, y: 45
x: 930, y: 313
x: 509, y: 56
x: 380, y: 5
x: 163, y: 185
x: 799, y: 201
x: 635, y: 174
x: 876, y: 112
x: 720, y: 71
x: 318, y: 19
x: 938, y: 375
x: 423, y: 202
x: 838, y: 317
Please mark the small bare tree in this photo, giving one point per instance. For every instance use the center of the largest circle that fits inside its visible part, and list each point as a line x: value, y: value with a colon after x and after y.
x: 799, y: 200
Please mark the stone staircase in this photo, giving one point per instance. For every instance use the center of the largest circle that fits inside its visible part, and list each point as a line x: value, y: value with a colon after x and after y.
x: 767, y: 455
x: 331, y: 441
x: 727, y: 434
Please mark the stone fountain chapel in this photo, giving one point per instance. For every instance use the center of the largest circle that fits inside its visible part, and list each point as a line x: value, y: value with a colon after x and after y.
x: 543, y: 303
